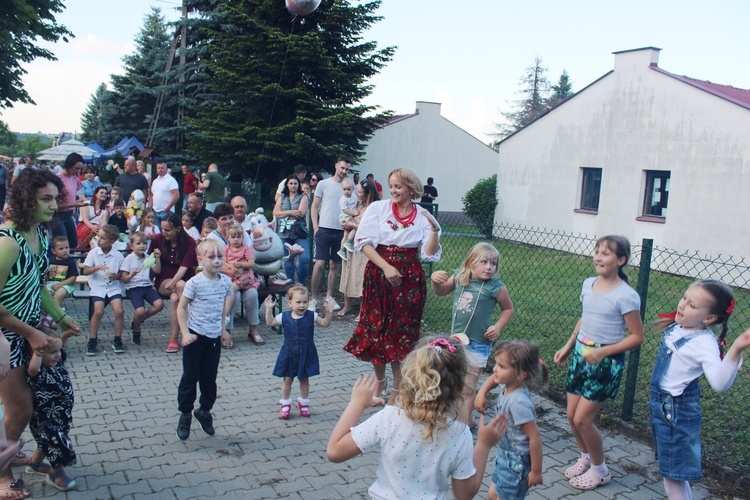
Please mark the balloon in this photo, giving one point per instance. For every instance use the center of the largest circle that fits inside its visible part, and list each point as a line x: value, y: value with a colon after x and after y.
x: 301, y: 7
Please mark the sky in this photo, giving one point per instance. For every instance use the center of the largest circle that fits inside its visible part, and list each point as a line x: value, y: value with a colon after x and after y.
x: 468, y: 56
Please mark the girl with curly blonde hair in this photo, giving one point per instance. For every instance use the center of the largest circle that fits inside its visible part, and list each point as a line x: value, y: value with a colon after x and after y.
x: 425, y: 446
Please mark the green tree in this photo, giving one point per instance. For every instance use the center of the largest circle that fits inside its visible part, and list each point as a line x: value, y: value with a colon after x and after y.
x: 128, y: 108
x: 278, y: 93
x: 480, y: 203
x: 92, y: 121
x: 534, y: 92
x: 22, y: 23
x: 561, y: 91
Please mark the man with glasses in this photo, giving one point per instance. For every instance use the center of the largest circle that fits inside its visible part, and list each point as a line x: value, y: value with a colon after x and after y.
x: 328, y: 232
x: 300, y: 171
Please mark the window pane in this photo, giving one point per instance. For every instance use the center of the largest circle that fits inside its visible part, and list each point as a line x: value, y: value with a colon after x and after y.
x: 657, y: 193
x: 592, y: 184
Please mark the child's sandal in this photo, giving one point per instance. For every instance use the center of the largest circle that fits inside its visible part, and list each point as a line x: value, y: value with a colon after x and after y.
x: 67, y: 483
x: 304, y: 409
x: 589, y: 480
x: 578, y: 468
x: 42, y: 468
x: 285, y: 412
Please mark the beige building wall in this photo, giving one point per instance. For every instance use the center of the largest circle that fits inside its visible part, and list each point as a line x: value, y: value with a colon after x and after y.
x: 635, y: 119
x: 434, y: 147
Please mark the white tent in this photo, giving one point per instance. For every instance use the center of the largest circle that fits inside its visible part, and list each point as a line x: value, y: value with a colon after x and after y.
x: 59, y: 153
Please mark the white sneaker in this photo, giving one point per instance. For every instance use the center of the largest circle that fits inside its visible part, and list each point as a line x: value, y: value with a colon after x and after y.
x: 342, y: 253
x: 336, y: 306
x: 313, y: 305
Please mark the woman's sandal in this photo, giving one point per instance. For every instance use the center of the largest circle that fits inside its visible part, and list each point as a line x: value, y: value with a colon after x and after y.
x: 589, y: 480
x: 304, y: 409
x: 342, y: 312
x: 42, y: 468
x: 54, y: 477
x: 285, y: 412
x: 14, y: 491
x: 255, y: 339
x: 577, y: 469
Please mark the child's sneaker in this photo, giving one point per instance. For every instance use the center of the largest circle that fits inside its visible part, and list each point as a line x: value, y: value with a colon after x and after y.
x: 342, y: 253
x: 117, y: 345
x: 349, y: 245
x: 136, y: 338
x: 183, y: 426
x: 91, y: 348
x: 205, y: 420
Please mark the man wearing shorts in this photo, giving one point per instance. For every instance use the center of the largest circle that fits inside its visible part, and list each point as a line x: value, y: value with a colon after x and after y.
x: 327, y: 229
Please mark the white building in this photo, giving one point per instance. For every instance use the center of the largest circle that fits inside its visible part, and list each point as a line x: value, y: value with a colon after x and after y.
x: 433, y: 147
x: 639, y: 152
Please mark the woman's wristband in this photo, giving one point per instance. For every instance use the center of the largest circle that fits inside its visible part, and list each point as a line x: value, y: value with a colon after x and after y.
x: 61, y: 318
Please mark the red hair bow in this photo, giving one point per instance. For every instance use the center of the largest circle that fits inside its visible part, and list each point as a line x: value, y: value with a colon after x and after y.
x: 671, y: 315
x: 730, y: 308
x: 441, y: 342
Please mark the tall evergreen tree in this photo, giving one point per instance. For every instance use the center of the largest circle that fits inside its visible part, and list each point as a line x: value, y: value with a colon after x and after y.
x: 134, y: 93
x: 280, y: 93
x: 92, y: 120
x: 561, y: 91
x: 534, y: 91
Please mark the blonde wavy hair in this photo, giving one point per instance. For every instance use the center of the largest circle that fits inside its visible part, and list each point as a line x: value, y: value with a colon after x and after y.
x: 410, y: 179
x: 432, y: 384
x: 475, y: 255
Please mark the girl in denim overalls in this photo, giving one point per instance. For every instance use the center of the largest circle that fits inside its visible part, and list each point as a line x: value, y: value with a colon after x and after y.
x: 690, y: 348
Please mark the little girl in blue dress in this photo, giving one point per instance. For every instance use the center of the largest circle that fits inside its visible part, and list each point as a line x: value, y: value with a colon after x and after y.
x: 298, y: 356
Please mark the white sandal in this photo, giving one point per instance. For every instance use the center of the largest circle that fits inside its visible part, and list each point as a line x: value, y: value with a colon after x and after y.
x: 590, y: 480
x: 577, y: 469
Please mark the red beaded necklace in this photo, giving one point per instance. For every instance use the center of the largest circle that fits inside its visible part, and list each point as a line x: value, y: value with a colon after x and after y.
x: 408, y: 220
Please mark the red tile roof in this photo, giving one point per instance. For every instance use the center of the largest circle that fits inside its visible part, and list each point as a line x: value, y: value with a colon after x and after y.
x: 741, y: 97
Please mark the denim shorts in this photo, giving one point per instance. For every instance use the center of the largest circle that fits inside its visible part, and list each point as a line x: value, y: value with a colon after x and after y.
x: 139, y: 295
x: 676, y: 426
x: 511, y: 476
x: 477, y: 354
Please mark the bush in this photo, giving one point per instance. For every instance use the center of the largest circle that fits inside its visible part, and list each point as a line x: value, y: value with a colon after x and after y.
x: 480, y: 203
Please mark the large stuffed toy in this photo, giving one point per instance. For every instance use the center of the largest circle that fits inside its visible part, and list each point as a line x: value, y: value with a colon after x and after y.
x: 269, y: 251
x: 134, y: 209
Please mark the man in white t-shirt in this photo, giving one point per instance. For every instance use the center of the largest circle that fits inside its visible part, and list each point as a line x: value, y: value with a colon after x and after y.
x: 164, y: 192
x: 327, y: 229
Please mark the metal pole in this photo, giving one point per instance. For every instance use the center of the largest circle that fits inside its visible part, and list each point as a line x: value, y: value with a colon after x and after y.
x: 644, y: 273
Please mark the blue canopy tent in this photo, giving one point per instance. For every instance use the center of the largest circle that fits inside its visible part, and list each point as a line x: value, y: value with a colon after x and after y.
x: 127, y: 146
x: 96, y: 147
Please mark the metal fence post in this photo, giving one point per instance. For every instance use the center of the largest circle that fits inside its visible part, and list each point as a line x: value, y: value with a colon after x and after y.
x: 644, y: 272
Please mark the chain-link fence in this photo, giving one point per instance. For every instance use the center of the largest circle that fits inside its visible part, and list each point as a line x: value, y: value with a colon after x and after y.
x: 543, y: 271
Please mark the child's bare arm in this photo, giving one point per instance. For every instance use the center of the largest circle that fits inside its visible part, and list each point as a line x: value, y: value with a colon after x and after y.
x: 341, y: 445
x: 182, y: 317
x: 506, y: 306
x: 270, y: 303
x: 487, y: 437
x: 535, y: 451
x: 561, y: 354
x: 68, y: 281
x: 441, y: 283
x: 325, y: 322
x: 34, y: 365
x: 89, y: 270
x: 480, y: 401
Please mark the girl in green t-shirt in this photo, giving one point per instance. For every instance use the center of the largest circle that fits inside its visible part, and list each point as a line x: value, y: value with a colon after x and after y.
x: 476, y: 292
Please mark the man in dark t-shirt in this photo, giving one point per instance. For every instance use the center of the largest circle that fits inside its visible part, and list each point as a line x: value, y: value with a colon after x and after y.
x: 430, y: 193
x: 131, y: 179
x: 195, y: 205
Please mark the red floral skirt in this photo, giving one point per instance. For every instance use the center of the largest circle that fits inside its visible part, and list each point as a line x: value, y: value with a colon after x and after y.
x: 390, y: 318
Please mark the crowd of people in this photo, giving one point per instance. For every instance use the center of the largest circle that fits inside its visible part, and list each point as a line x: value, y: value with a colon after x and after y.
x: 203, y: 263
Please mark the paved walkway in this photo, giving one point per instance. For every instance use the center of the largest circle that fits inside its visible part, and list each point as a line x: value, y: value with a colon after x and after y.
x: 125, y: 417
